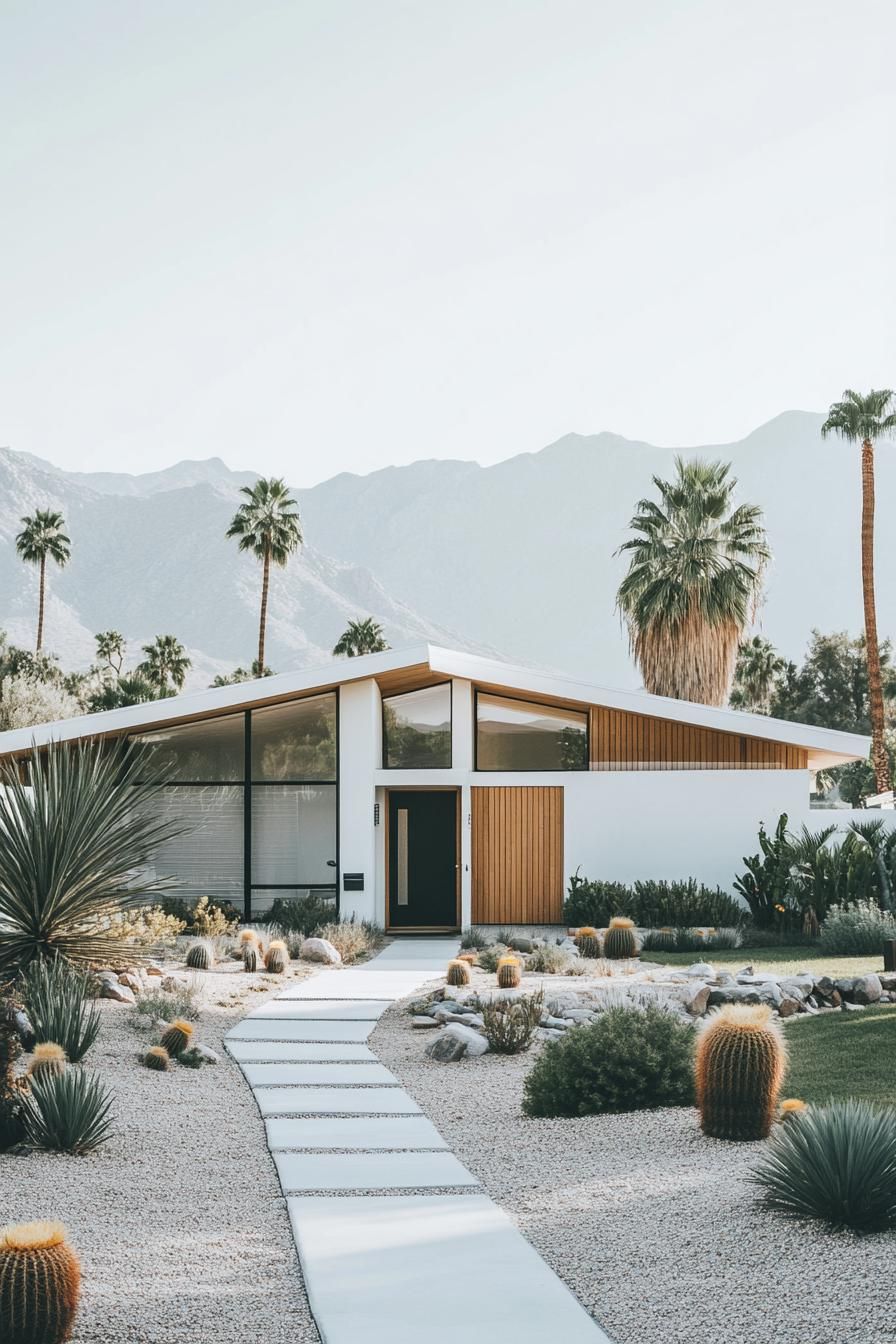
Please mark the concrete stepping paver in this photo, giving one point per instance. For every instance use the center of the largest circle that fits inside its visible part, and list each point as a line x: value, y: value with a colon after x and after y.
x: 317, y: 1075
x: 280, y: 1029
x: 297, y: 1052
x: 370, y: 1171
x: 349, y: 1010
x: 334, y: 1101
x: 357, y: 1131
x: 373, y: 1267
x: 349, y: 985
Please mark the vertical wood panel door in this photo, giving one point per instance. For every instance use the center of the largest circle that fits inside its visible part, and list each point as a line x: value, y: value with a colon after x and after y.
x: 517, y: 855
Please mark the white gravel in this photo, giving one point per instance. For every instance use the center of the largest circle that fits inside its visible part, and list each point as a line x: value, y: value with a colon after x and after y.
x: 179, y: 1221
x: 652, y: 1226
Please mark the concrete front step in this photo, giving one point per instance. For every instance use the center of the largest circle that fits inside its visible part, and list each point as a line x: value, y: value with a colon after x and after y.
x: 404, y: 1268
x: 277, y: 1029
x: 348, y: 1010
x: 297, y: 1052
x: 370, y: 1171
x: 334, y: 1101
x: 369, y: 1132
x: 317, y: 1075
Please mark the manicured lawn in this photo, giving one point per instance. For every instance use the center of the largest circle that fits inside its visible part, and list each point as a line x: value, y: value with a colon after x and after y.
x: 843, y: 1055
x: 778, y: 960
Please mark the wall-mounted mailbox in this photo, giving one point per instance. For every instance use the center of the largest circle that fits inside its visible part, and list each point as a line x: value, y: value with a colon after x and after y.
x: 352, y: 881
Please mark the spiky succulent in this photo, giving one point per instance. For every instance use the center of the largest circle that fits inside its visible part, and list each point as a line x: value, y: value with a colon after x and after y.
x: 177, y: 1037
x: 40, y: 1283
x: 458, y: 972
x: 48, y: 1058
x: 740, y: 1064
x: 251, y: 958
x: 588, y: 942
x: 620, y: 943
x: 276, y: 959
x: 69, y: 1112
x: 509, y: 972
x: 158, y: 1058
x: 200, y: 956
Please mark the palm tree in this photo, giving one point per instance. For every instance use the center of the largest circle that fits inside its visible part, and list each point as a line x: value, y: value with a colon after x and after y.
x: 863, y: 419
x: 267, y: 525
x: 360, y: 637
x: 74, y: 850
x: 129, y: 690
x: 110, y: 647
x: 166, y: 660
x: 757, y: 670
x: 693, y: 582
x: 42, y: 539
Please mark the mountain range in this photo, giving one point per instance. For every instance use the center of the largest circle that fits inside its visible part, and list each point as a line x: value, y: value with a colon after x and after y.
x: 516, y: 559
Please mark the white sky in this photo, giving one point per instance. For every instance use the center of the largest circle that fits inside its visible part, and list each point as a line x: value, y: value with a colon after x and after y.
x: 337, y: 234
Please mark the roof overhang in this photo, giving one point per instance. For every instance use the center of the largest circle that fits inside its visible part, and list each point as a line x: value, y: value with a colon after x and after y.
x: 401, y: 669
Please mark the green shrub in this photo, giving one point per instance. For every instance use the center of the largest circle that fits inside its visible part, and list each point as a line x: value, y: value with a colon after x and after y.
x: 55, y: 996
x: 69, y: 1112
x: 629, y: 1059
x: 302, y: 915
x: 836, y: 1163
x: 548, y: 959
x: 651, y: 904
x: 490, y: 956
x: 473, y: 939
x: 509, y: 1024
x: 167, y: 1005
x: 11, y: 1127
x: 856, y: 930
x: 352, y: 940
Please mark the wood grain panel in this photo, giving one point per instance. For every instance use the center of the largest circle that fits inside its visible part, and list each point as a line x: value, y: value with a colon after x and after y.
x: 621, y: 740
x: 517, y: 855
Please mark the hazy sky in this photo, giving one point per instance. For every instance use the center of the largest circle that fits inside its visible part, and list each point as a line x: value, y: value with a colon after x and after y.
x: 337, y: 234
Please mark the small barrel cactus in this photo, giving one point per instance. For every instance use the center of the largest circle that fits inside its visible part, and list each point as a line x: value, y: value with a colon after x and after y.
x: 251, y: 957
x: 791, y: 1106
x: 588, y: 942
x: 177, y: 1037
x: 200, y: 956
x: 276, y: 959
x: 458, y: 972
x: 664, y: 939
x: 619, y: 940
x: 248, y: 936
x: 740, y: 1064
x: 40, y: 1283
x: 49, y: 1058
x: 470, y: 958
x: 158, y: 1058
x: 509, y: 972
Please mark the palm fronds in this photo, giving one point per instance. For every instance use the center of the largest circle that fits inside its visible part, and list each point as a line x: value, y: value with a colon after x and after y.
x: 76, y: 843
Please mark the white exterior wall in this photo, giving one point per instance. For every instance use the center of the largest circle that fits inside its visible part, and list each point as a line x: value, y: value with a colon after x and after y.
x: 360, y: 753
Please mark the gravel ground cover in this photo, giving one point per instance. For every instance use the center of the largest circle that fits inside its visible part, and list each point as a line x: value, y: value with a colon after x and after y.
x: 654, y: 1227
x: 179, y: 1221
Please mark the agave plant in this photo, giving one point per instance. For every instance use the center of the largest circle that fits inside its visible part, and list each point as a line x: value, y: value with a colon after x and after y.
x: 836, y: 1163
x: 73, y: 842
x: 69, y: 1112
x: 55, y: 994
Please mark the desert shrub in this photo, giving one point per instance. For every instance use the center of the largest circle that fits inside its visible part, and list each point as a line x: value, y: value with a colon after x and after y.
x: 509, y: 1024
x: 548, y: 959
x: 11, y: 1127
x: 856, y: 930
x: 352, y: 940
x: 474, y: 939
x: 69, y: 1112
x: 629, y: 1059
x: 211, y: 921
x: 836, y: 1163
x: 167, y: 1004
x: 490, y: 956
x: 58, y: 1000
x: 145, y: 926
x: 651, y: 904
x: 302, y: 915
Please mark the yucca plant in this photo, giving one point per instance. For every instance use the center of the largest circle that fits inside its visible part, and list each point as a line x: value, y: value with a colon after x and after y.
x: 74, y: 848
x: 40, y: 1284
x: 836, y: 1163
x: 55, y: 994
x: 70, y: 1112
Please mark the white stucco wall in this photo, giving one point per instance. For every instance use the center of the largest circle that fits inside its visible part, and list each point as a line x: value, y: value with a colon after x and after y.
x: 360, y: 732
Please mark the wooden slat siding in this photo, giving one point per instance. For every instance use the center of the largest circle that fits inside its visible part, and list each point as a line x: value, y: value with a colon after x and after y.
x: 517, y: 855
x: 621, y: 740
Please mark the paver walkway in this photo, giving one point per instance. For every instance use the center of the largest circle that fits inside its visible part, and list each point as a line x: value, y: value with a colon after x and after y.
x: 382, y: 1267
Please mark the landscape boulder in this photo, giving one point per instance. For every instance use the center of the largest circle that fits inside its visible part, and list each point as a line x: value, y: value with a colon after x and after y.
x: 867, y: 989
x: 701, y: 970
x: 111, y: 989
x: 320, y: 949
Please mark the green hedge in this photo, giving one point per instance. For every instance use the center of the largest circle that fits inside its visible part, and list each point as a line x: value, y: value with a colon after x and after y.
x: 651, y: 904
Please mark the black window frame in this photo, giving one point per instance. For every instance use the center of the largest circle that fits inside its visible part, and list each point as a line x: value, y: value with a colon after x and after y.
x: 527, y: 770
x: 398, y: 695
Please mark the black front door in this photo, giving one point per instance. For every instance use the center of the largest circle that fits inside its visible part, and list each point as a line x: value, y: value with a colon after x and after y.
x: 423, y: 860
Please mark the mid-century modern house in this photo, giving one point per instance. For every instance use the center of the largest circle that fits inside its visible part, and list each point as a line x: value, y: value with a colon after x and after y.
x: 430, y: 789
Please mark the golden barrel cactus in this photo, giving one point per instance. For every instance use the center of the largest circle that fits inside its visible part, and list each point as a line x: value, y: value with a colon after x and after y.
x: 251, y: 957
x: 792, y: 1106
x: 177, y: 1037
x: 620, y: 943
x: 509, y: 972
x: 49, y: 1058
x: 40, y: 1283
x: 458, y: 972
x: 276, y: 959
x: 741, y: 1060
x: 157, y: 1058
x: 588, y: 942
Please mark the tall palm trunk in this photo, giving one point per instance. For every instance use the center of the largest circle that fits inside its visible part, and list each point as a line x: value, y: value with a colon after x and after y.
x: 40, y: 606
x: 265, y: 580
x: 879, y: 758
